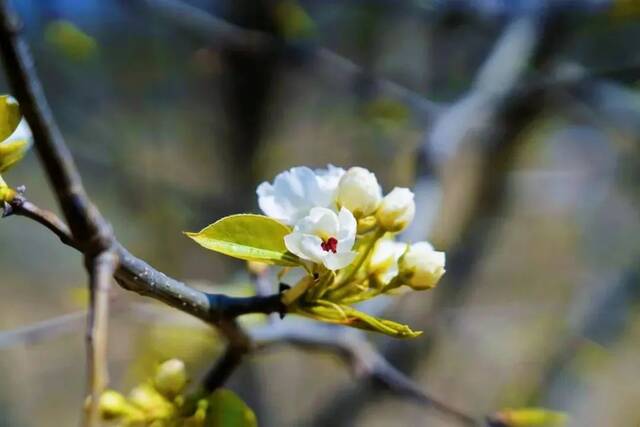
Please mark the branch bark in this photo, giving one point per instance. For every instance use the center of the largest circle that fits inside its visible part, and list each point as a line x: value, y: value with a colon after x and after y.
x: 137, y: 276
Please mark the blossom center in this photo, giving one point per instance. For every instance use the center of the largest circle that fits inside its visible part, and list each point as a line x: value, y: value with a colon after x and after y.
x: 330, y: 245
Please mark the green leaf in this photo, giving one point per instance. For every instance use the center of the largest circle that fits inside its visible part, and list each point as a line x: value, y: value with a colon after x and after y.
x: 9, y: 116
x: 249, y: 237
x: 12, y: 152
x: 528, y: 417
x: 331, y: 312
x: 226, y: 409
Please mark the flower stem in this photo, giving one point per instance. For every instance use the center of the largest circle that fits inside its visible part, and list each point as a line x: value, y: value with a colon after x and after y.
x: 362, y: 257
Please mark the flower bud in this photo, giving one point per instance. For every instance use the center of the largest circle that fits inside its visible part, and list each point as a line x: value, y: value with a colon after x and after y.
x: 149, y: 400
x: 383, y: 264
x: 171, y: 377
x: 359, y: 192
x: 113, y: 405
x: 396, y: 210
x: 422, y: 266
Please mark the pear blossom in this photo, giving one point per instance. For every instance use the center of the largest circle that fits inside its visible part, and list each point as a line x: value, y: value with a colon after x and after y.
x: 324, y: 237
x: 294, y: 192
x: 359, y: 192
x: 422, y: 265
x: 383, y: 263
x: 396, y: 210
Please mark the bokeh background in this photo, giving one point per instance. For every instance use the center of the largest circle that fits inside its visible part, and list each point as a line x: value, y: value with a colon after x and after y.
x: 517, y: 124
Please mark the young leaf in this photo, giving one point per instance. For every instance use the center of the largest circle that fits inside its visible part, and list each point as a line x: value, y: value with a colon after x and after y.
x: 226, y: 409
x: 249, y: 237
x: 528, y: 417
x: 327, y: 311
x: 9, y: 116
x: 11, y: 152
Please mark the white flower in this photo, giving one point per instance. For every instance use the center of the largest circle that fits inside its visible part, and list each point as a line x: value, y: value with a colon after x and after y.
x: 359, y: 192
x: 422, y: 265
x: 384, y: 260
x: 324, y: 238
x: 396, y: 210
x: 294, y: 192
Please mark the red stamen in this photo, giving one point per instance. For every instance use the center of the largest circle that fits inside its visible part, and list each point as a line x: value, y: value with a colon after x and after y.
x: 331, y: 244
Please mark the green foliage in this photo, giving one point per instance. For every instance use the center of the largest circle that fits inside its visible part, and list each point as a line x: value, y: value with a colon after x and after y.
x: 528, y: 417
x: 226, y: 409
x: 70, y: 41
x: 349, y: 316
x: 161, y: 402
x: 249, y: 237
x: 294, y: 23
x: 11, y: 150
x: 9, y: 116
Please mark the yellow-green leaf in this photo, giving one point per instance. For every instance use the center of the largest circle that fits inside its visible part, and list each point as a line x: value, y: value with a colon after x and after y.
x: 330, y: 312
x: 226, y: 409
x: 70, y: 40
x: 12, y: 152
x: 249, y: 237
x: 528, y: 417
x: 9, y: 116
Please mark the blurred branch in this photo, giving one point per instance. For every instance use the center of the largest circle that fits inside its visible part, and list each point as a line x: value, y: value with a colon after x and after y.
x: 364, y: 359
x: 89, y: 230
x: 41, y: 330
x: 238, y: 345
x: 491, y: 117
x: 101, y: 271
x: 217, y: 32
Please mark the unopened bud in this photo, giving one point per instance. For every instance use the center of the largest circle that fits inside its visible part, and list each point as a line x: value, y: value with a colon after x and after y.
x: 359, y: 192
x: 396, y: 210
x: 422, y: 266
x: 171, y: 377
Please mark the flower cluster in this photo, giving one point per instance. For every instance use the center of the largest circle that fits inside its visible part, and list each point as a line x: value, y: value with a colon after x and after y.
x: 160, y: 402
x: 340, y: 228
x: 342, y: 222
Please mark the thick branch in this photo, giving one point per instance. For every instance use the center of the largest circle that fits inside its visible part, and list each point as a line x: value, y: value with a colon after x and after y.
x: 87, y: 225
x: 136, y: 275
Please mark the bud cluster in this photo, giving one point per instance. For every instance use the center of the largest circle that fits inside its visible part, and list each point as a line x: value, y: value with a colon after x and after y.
x: 343, y: 232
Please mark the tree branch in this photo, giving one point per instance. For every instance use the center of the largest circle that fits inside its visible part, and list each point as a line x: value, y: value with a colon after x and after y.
x: 364, y: 359
x: 101, y: 269
x: 218, y: 33
x: 238, y: 346
x: 137, y: 276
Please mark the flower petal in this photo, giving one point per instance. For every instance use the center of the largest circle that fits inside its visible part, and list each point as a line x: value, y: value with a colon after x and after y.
x: 338, y: 260
x: 306, y: 246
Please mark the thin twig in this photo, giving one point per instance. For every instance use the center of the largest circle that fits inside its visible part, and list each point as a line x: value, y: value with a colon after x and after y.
x: 100, y: 272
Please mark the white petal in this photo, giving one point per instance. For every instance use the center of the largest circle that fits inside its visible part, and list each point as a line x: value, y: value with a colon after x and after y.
x: 305, y: 246
x: 338, y: 260
x: 329, y: 178
x: 348, y: 224
x: 312, y: 248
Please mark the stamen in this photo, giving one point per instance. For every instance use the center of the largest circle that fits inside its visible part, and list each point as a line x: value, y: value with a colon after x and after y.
x: 331, y: 244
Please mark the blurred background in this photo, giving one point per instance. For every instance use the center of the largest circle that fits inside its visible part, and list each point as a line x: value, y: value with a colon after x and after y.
x: 517, y: 124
